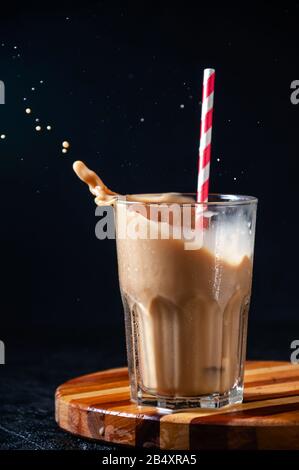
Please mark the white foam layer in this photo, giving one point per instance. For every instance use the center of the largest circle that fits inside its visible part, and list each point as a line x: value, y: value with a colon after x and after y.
x: 230, y: 240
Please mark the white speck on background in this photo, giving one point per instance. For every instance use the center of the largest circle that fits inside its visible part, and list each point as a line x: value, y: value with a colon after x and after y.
x: 28, y: 110
x: 142, y: 119
x: 182, y: 106
x: 2, y: 136
x: 38, y: 128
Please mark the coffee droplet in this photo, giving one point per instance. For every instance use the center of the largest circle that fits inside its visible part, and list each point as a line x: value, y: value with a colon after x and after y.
x: 65, y: 144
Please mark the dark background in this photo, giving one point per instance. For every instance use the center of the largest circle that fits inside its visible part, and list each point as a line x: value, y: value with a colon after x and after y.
x: 114, y: 77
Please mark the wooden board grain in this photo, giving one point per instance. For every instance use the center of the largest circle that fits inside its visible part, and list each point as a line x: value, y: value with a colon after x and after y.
x: 98, y: 406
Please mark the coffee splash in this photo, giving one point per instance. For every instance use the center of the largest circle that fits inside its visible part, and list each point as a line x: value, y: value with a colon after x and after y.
x: 105, y: 196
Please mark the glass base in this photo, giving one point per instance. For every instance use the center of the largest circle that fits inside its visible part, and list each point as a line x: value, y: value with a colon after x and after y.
x: 215, y: 400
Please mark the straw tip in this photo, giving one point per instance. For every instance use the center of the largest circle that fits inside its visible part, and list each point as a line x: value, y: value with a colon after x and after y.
x: 209, y: 71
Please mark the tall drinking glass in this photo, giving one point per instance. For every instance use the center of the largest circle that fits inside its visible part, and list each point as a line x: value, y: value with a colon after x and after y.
x: 185, y: 272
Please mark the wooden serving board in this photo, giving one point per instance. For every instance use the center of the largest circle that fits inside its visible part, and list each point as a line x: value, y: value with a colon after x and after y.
x: 98, y: 406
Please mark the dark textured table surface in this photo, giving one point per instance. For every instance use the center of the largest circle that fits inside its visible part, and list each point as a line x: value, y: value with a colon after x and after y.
x: 38, y: 361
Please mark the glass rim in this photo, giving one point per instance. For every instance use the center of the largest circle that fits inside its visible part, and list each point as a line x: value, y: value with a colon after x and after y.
x: 223, y: 199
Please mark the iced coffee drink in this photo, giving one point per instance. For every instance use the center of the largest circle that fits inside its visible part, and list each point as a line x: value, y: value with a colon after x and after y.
x: 185, y: 285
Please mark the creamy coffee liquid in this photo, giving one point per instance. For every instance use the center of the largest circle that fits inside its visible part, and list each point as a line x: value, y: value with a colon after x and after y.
x: 96, y: 186
x: 186, y: 308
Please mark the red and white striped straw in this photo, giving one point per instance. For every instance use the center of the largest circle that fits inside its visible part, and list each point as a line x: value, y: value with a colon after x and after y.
x: 205, y: 135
